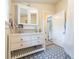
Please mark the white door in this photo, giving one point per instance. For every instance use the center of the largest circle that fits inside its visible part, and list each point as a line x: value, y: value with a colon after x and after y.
x: 58, y: 28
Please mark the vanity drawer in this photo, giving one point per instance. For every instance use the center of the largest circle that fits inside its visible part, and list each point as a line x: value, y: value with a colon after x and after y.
x: 30, y: 38
x: 31, y: 43
x: 19, y: 38
x: 20, y: 45
x: 14, y: 38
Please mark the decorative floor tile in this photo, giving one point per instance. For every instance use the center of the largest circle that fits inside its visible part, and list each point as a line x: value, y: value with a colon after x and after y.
x: 51, y: 52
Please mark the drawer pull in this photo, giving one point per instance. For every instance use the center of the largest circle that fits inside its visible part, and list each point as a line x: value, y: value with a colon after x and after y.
x: 38, y: 37
x: 21, y: 44
x: 38, y: 41
x: 21, y: 39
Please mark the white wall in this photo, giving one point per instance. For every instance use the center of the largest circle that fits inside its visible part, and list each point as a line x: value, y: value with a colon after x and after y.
x: 65, y: 40
x: 44, y: 7
x: 61, y: 5
x: 70, y: 29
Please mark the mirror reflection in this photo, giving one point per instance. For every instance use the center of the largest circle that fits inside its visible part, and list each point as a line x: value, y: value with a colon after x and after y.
x: 23, y: 16
x: 33, y: 17
x: 28, y: 16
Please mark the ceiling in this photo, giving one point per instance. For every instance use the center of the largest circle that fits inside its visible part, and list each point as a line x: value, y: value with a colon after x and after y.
x: 40, y: 1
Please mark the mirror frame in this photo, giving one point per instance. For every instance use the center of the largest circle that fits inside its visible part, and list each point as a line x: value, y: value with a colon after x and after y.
x: 21, y: 6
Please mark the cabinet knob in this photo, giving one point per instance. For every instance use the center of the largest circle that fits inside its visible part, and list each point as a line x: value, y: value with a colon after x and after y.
x: 21, y: 44
x: 38, y: 41
x: 21, y: 39
x: 38, y: 37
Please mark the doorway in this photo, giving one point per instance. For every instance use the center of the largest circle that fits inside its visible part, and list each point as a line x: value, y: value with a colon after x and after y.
x: 49, y: 27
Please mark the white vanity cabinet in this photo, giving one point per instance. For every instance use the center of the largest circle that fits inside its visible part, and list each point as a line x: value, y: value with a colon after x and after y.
x: 25, y: 43
x: 32, y: 42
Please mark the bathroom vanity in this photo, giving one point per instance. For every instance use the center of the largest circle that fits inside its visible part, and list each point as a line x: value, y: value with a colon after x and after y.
x: 24, y: 43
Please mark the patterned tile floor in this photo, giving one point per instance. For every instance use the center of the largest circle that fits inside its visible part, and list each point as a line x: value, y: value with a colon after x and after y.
x: 53, y: 51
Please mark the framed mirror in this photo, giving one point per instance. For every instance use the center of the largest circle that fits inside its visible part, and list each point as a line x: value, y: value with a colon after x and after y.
x: 27, y: 15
